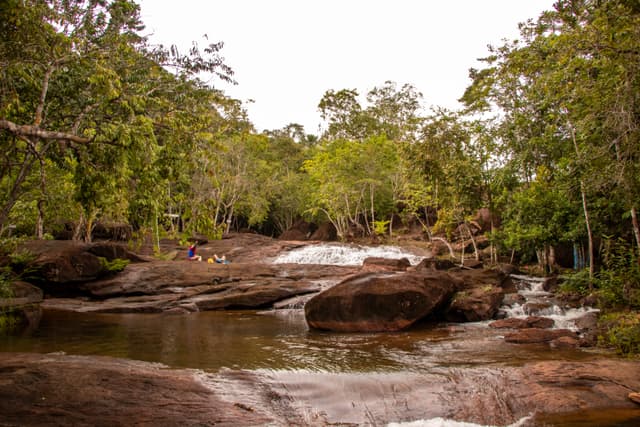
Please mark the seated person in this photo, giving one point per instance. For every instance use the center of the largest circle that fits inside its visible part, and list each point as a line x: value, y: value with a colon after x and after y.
x: 191, y: 255
x: 220, y: 260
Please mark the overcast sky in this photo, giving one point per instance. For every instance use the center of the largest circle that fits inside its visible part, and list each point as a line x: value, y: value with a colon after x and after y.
x: 287, y: 53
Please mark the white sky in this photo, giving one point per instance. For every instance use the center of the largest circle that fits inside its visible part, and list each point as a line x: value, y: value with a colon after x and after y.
x: 287, y: 53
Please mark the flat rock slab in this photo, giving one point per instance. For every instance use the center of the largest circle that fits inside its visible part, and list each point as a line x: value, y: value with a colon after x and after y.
x: 176, y: 286
x: 58, y: 389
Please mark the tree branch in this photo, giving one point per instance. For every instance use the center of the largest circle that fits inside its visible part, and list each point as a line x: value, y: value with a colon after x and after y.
x: 35, y: 131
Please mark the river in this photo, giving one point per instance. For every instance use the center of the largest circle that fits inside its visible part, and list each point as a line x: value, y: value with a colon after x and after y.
x: 279, y: 345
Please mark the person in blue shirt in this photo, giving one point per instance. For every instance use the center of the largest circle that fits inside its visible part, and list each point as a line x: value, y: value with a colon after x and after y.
x: 191, y: 254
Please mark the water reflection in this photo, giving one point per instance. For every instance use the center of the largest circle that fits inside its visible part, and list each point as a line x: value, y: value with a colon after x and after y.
x: 271, y: 340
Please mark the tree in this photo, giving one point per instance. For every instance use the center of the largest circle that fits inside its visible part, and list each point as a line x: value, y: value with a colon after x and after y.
x: 82, y: 88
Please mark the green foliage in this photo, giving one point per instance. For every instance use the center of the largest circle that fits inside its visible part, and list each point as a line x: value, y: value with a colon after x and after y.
x: 381, y: 227
x: 619, y: 281
x: 354, y: 179
x: 622, y: 332
x: 577, y: 282
x: 22, y: 258
x: 5, y: 283
x: 115, y: 265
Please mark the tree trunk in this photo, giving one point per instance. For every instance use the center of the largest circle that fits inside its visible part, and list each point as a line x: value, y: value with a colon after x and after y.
x: 27, y: 163
x: 636, y: 231
x: 589, y: 234
x: 586, y: 212
x: 473, y: 241
x: 440, y: 239
x: 40, y: 220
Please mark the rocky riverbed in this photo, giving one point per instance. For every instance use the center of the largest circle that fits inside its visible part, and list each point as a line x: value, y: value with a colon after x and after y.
x: 68, y: 389
x: 58, y: 389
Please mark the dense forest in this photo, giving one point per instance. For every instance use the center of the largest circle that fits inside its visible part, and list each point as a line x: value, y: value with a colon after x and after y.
x: 97, y: 125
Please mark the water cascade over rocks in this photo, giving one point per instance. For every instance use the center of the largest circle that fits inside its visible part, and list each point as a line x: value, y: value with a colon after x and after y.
x: 344, y: 254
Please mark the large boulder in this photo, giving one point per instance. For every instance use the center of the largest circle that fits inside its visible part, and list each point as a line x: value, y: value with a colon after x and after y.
x: 379, y: 301
x: 475, y: 304
x: 59, y: 265
x: 300, y: 230
x: 326, y: 232
x: 480, y: 295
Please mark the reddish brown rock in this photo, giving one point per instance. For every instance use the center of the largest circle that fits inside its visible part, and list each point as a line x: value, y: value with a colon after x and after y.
x: 379, y: 302
x: 385, y: 264
x: 300, y: 230
x: 58, y: 390
x: 61, y: 264
x: 537, y: 335
x: 565, y: 342
x: 326, y: 232
x: 475, y: 304
x: 634, y: 397
x: 517, y: 323
x: 434, y: 263
x: 189, y: 285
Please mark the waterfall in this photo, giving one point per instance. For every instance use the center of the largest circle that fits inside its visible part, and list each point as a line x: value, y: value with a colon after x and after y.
x: 539, y: 302
x: 343, y: 254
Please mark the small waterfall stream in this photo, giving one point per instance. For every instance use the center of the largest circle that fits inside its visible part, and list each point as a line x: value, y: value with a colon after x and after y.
x: 535, y: 301
x: 346, y: 254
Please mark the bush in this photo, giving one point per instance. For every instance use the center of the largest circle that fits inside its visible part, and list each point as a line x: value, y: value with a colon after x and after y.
x: 115, y: 265
x: 619, y: 282
x: 622, y: 332
x: 576, y: 283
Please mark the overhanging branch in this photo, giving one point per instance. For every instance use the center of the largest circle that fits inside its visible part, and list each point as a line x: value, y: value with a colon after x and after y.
x: 35, y: 131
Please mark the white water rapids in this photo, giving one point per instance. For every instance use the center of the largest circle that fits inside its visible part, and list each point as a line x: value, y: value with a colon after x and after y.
x: 344, y: 254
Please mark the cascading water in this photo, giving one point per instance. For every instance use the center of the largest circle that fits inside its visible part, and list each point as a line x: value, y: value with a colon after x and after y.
x: 342, y: 254
x: 538, y: 302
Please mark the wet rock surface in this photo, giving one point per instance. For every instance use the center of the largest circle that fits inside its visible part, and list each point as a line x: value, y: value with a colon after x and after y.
x: 538, y: 335
x: 518, y: 323
x: 57, y: 390
x: 106, y: 391
x: 195, y: 286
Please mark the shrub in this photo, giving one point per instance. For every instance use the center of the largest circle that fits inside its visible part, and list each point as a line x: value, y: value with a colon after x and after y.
x: 576, y: 283
x: 619, y: 282
x: 115, y: 265
x: 622, y: 332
